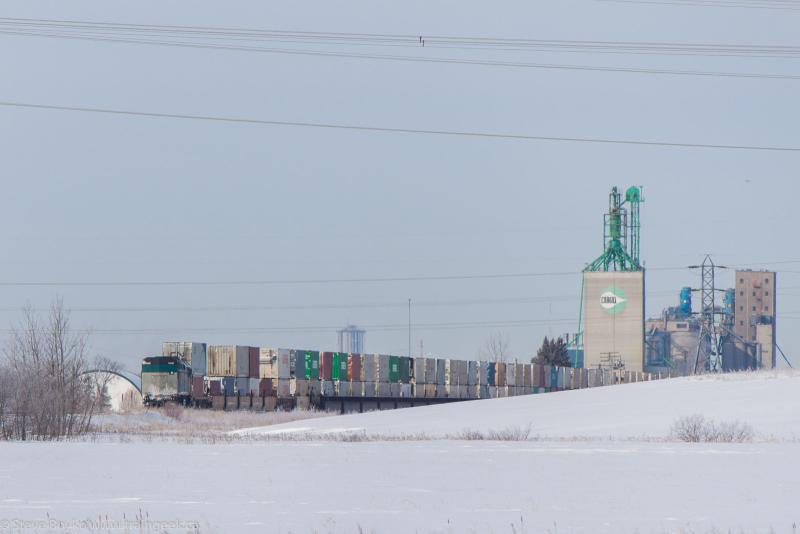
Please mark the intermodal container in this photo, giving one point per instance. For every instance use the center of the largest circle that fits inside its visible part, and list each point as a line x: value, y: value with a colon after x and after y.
x: 327, y: 388
x: 394, y: 369
x: 491, y: 373
x: 383, y: 367
x: 228, y: 360
x: 553, y: 377
x: 405, y: 369
x: 370, y: 368
x: 339, y: 369
x: 325, y: 365
x: 419, y: 371
x: 198, y: 387
x: 501, y: 375
x: 527, y: 375
x: 357, y: 389
x: 441, y: 367
x: 215, y: 387
x: 243, y: 385
x: 267, y: 363
x: 228, y: 387
x: 463, y: 372
x: 343, y: 388
x: 253, y: 358
x: 284, y: 388
x: 511, y: 374
x: 450, y: 372
x: 394, y: 389
x: 430, y: 371
x: 472, y: 373
x: 354, y: 368
x: 195, y: 354
x: 265, y: 387
x: 370, y: 390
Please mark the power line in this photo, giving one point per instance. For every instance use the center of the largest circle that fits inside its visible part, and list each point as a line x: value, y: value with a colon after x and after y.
x: 127, y: 34
x: 786, y: 6
x: 69, y: 27
x: 452, y: 133
x: 328, y: 328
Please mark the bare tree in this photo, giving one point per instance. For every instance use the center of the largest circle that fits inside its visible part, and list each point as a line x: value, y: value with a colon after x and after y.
x: 46, y: 394
x: 495, y: 348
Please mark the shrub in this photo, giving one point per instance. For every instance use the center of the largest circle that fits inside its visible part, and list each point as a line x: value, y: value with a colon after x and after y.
x: 696, y: 428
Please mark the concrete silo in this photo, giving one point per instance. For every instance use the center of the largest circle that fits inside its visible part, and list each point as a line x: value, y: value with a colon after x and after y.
x: 613, y: 293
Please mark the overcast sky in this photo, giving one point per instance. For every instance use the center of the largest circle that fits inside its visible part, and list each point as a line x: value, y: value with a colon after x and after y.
x: 113, y: 198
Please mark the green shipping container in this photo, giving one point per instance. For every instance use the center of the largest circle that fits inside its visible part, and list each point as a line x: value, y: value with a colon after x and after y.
x: 339, y: 370
x: 312, y: 364
x: 394, y: 369
x: 335, y: 368
x: 405, y: 369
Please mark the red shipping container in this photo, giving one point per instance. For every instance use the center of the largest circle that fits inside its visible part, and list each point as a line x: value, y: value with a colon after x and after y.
x: 542, y: 382
x: 325, y: 365
x: 215, y: 387
x: 198, y: 390
x: 354, y: 368
x: 253, y: 358
x: 265, y: 388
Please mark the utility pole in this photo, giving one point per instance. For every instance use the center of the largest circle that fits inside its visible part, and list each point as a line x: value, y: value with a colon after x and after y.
x: 409, y: 328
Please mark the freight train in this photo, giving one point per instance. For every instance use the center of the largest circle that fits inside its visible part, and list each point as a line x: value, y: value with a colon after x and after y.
x: 233, y: 375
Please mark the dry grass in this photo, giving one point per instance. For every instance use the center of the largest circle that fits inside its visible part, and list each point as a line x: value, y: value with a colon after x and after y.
x: 176, y: 420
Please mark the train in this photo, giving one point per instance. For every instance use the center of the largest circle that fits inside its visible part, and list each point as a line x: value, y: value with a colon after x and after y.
x: 225, y: 376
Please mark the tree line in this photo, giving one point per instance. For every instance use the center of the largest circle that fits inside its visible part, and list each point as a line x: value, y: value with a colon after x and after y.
x: 45, y: 391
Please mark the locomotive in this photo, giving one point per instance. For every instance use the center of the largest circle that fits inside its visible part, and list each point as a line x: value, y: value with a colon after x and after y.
x: 166, y: 379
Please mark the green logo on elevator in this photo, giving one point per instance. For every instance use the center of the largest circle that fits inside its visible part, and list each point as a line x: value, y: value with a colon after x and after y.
x: 613, y: 300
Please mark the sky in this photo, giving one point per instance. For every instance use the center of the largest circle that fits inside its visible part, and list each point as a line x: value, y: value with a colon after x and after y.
x: 109, y: 198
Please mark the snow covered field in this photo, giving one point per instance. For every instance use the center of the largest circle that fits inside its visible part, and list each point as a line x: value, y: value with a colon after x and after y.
x: 590, y: 478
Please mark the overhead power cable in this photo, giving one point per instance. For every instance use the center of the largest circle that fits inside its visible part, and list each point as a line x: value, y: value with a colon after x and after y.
x: 787, y: 5
x: 352, y: 127
x: 192, y: 37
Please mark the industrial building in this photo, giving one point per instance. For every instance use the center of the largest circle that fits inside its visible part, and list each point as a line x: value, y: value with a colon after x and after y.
x: 742, y: 331
x: 613, y: 292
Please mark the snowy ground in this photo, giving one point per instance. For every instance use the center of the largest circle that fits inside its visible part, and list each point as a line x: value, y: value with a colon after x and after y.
x: 590, y: 478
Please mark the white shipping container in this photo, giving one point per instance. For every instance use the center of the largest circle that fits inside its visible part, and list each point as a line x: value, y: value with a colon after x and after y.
x: 370, y: 368
x: 394, y: 389
x: 450, y: 373
x: 430, y: 371
x: 284, y: 388
x: 441, y: 391
x: 356, y: 389
x: 430, y: 391
x: 268, y: 363
x: 492, y: 392
x: 463, y: 372
x: 252, y: 386
x: 483, y: 374
x: 383, y: 367
x: 472, y: 373
x: 510, y: 374
x: 301, y: 387
x: 327, y: 388
x: 370, y: 389
x: 441, y: 371
x: 344, y: 389
x: 483, y: 391
x: 228, y: 360
x: 405, y: 390
x: 419, y: 371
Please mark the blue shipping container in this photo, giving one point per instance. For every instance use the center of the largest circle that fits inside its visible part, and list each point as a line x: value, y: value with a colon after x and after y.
x: 491, y: 372
x: 554, y: 376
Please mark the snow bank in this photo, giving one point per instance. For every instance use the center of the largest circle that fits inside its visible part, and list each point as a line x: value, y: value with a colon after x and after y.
x: 768, y: 401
